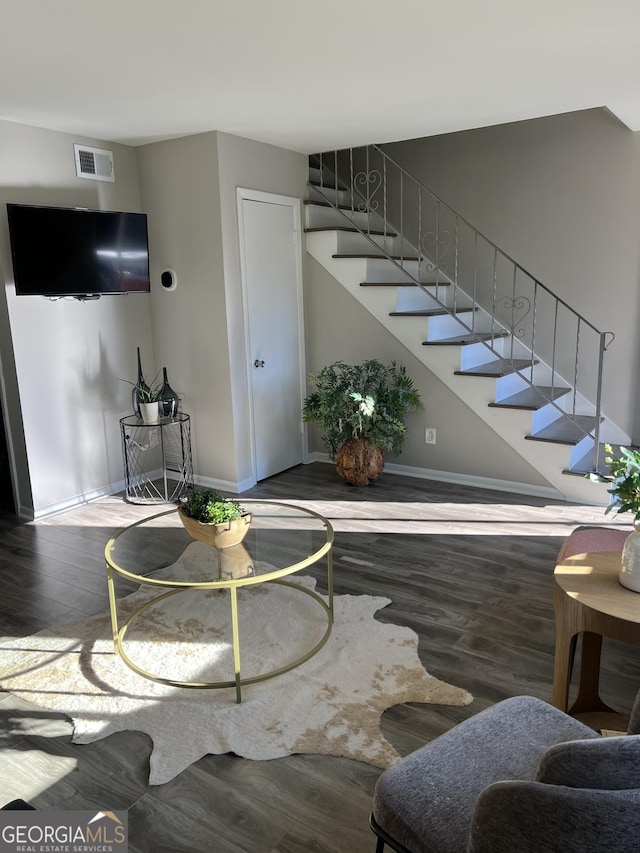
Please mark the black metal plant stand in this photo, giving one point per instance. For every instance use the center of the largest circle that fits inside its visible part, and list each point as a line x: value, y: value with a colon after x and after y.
x: 158, y: 466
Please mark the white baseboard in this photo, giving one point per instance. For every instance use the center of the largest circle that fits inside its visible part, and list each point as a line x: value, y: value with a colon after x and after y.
x: 459, y: 479
x: 224, y: 485
x: 238, y: 488
x: 27, y: 514
x: 76, y: 500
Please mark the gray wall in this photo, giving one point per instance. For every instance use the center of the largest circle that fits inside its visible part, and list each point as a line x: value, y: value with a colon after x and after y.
x: 62, y: 361
x: 256, y: 166
x: 562, y: 196
x: 188, y: 189
x: 180, y: 194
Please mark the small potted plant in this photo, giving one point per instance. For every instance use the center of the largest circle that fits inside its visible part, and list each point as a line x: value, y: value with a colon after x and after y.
x: 213, y: 519
x: 361, y: 411
x: 149, y: 402
x: 146, y: 398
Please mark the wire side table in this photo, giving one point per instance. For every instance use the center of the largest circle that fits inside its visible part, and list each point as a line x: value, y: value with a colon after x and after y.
x: 158, y: 466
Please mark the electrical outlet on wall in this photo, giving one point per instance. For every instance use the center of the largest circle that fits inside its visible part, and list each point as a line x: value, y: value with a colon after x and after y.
x: 430, y: 435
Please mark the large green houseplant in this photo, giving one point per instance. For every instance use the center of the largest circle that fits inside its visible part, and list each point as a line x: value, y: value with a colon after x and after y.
x: 361, y: 410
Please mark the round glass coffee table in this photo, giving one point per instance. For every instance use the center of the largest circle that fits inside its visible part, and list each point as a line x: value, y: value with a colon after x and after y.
x: 283, y: 539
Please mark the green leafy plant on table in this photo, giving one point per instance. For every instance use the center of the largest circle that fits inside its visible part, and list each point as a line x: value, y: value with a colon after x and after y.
x: 361, y: 410
x: 213, y: 519
x: 624, y: 476
x: 209, y: 507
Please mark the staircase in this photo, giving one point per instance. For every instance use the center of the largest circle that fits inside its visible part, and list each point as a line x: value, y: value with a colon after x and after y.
x: 520, y: 357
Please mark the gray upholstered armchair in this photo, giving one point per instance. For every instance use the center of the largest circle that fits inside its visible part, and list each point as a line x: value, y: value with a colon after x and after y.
x: 519, y: 777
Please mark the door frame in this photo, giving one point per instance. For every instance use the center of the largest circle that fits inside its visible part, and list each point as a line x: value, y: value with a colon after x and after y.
x: 245, y: 194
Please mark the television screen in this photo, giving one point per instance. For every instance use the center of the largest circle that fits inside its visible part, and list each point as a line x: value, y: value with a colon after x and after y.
x: 74, y: 252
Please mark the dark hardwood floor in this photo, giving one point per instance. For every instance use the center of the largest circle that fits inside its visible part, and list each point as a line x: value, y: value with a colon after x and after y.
x: 469, y: 570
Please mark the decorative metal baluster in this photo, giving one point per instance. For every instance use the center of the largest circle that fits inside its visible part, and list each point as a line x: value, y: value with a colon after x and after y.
x: 437, y: 249
x: 533, y: 327
x: 384, y: 192
x: 419, y: 230
x: 553, y: 353
x: 475, y: 280
x: 495, y: 290
x: 351, y: 180
x: 575, y: 375
x: 596, y: 436
x: 401, y: 217
x: 368, y: 172
x: 335, y: 177
x: 455, y: 268
x: 513, y: 302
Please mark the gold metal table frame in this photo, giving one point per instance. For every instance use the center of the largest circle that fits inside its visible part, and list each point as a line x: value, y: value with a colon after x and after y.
x: 169, y: 588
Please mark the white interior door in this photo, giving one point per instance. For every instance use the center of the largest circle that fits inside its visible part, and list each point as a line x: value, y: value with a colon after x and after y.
x: 272, y: 297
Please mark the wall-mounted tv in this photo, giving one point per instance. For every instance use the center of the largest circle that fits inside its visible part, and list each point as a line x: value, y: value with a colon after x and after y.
x: 59, y: 251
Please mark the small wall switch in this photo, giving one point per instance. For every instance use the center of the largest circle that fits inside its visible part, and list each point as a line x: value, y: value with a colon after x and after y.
x: 430, y: 435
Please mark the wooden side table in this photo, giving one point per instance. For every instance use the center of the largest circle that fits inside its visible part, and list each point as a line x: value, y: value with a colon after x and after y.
x: 589, y: 600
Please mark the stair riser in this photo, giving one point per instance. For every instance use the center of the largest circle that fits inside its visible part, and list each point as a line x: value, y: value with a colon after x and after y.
x: 324, y: 217
x: 580, y: 450
x: 351, y: 244
x: 474, y: 355
x: 315, y: 174
x: 448, y: 327
x: 325, y: 194
x: 507, y: 386
x: 416, y: 299
x: 548, y: 414
x: 385, y: 270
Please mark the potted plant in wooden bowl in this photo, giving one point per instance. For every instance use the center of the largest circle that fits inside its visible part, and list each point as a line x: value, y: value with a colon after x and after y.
x: 361, y: 411
x: 210, y: 518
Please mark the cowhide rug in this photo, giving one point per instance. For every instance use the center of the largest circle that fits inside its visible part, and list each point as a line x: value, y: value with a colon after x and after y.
x: 331, y: 704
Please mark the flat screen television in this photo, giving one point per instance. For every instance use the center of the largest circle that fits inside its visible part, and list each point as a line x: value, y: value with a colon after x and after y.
x: 59, y: 251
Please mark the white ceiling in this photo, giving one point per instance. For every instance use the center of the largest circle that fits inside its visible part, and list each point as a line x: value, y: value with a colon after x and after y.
x: 312, y: 76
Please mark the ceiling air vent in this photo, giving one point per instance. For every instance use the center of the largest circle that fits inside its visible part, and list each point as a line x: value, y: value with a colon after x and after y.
x: 96, y: 164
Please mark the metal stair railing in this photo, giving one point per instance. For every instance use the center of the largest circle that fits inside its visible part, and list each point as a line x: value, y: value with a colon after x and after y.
x: 376, y: 194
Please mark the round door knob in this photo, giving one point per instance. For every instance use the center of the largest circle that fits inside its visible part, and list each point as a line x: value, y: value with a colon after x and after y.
x: 258, y: 363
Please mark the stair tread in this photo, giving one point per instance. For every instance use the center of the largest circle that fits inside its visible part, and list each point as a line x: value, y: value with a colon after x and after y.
x: 463, y: 340
x: 431, y: 312
x: 531, y: 398
x: 496, y: 369
x: 404, y: 283
x: 377, y: 257
x: 350, y: 229
x: 565, y: 430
